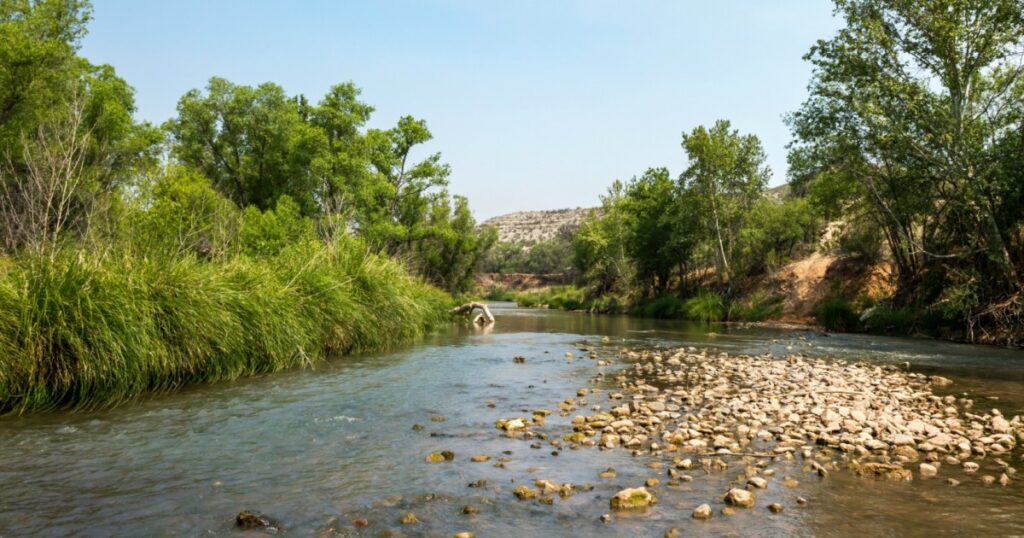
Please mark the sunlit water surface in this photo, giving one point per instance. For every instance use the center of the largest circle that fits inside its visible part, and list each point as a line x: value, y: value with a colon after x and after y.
x: 317, y: 449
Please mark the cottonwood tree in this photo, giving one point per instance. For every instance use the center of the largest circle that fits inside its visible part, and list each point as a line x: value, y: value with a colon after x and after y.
x: 916, y: 102
x: 727, y: 175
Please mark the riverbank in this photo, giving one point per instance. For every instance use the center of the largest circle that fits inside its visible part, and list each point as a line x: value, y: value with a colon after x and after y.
x: 92, y: 330
x: 823, y: 292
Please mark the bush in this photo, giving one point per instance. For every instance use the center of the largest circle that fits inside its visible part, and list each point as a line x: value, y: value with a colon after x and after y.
x: 757, y: 306
x: 886, y: 319
x: 664, y: 307
x: 705, y: 307
x: 861, y: 240
x: 835, y: 314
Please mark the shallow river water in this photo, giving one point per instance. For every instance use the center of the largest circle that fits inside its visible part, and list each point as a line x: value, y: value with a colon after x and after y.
x: 318, y: 449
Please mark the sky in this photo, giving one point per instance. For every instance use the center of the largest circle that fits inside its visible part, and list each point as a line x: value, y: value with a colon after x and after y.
x: 534, y: 104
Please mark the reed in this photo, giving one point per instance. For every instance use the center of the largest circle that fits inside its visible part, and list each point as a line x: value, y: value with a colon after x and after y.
x: 84, y: 330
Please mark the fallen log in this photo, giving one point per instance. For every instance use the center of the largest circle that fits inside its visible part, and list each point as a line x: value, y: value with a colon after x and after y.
x: 484, y: 318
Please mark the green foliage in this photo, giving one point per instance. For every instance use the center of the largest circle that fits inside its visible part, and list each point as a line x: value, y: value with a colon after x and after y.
x: 664, y: 307
x: 836, y: 314
x: 180, y: 214
x: 757, y: 306
x: 253, y: 143
x: 557, y: 297
x: 93, y: 330
x: 727, y: 175
x: 705, y: 307
x: 912, y: 111
x: 600, y: 250
x: 267, y: 233
x: 886, y: 319
x: 861, y: 239
x: 550, y: 256
x: 771, y: 233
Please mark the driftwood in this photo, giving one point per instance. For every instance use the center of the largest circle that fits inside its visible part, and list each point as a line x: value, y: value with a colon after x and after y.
x: 484, y: 318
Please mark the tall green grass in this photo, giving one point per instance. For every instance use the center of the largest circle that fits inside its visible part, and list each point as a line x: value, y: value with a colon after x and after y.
x: 86, y: 330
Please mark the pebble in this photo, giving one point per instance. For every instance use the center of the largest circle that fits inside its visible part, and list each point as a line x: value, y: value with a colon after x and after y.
x: 702, y: 512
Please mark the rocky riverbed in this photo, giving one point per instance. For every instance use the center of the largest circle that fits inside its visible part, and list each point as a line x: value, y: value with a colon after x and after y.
x: 696, y: 412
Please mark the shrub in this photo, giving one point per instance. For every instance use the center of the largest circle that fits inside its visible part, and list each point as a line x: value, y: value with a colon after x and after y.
x: 705, y: 307
x: 886, y: 319
x: 835, y: 314
x: 664, y: 307
x: 757, y: 306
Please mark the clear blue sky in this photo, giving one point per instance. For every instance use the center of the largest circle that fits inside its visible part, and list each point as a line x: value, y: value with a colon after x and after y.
x: 535, y: 104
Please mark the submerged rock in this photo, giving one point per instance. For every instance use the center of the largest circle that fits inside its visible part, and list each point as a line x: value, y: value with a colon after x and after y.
x: 253, y: 520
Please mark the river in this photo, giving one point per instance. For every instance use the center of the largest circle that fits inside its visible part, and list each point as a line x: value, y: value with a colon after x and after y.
x: 320, y: 448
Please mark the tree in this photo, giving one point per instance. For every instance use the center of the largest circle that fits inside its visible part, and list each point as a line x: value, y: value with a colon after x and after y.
x: 727, y: 175
x: 600, y: 250
x: 253, y: 143
x: 658, y: 239
x: 67, y: 135
x: 912, y: 100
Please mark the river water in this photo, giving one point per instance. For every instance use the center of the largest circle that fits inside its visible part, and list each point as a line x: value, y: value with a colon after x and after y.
x: 319, y: 449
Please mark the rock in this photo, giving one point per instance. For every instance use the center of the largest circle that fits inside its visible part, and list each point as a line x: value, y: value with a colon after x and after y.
x: 739, y: 497
x: 440, y: 457
x: 902, y: 439
x: 883, y: 470
x: 518, y: 359
x: 252, y: 520
x: 510, y: 424
x: 776, y: 508
x: 524, y: 492
x: 952, y: 482
x: 790, y: 483
x: 608, y: 473
x: 971, y: 467
x: 702, y: 512
x: 728, y: 511
x: 410, y: 519
x: 1004, y: 480
x: 606, y: 518
x: 652, y: 482
x: 547, y: 487
x: 1000, y: 425
x: 360, y: 523
x: 437, y: 418
x: 757, y: 482
x: 928, y: 470
x: 988, y: 480
x: 632, y: 498
x: 672, y: 533
x: 464, y: 535
x: 939, y: 381
x: 470, y: 510
x: 480, y: 458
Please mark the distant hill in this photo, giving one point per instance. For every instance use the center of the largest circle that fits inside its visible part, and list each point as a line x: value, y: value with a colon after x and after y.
x: 533, y: 226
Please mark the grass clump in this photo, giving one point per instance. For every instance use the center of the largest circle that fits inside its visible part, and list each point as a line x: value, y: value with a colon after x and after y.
x: 89, y: 330
x: 705, y: 307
